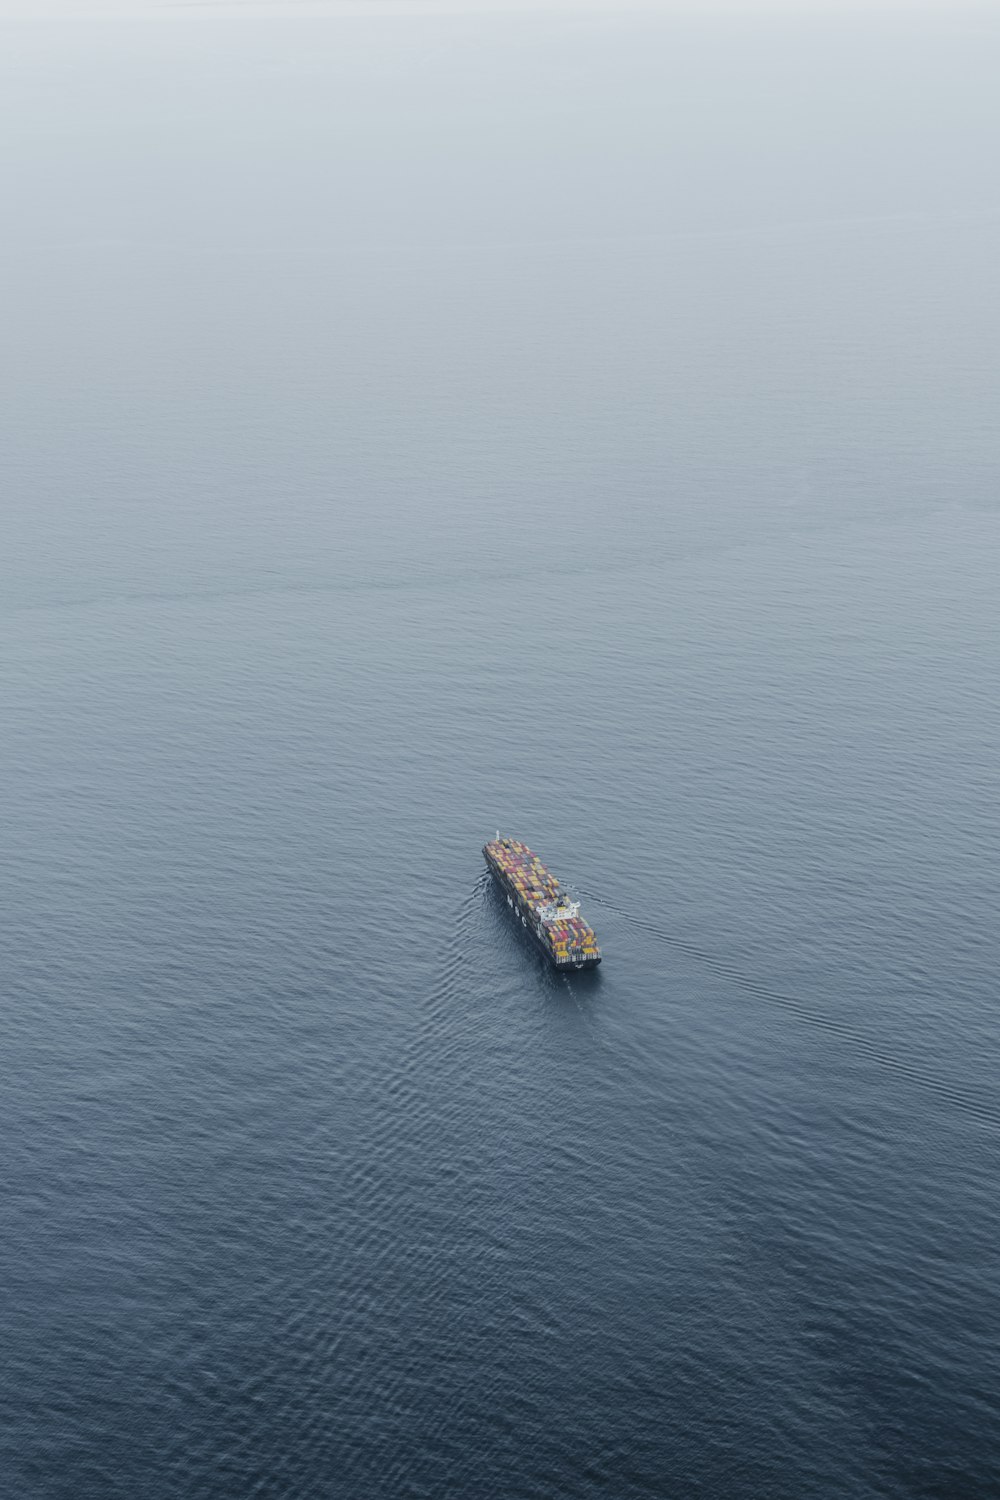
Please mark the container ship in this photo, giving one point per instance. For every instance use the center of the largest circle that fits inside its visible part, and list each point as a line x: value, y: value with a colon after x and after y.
x: 546, y: 911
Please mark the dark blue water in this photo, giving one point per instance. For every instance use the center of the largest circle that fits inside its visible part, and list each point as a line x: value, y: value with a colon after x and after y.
x: 582, y: 428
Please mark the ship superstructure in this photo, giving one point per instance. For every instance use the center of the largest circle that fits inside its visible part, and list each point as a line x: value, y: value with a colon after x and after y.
x: 546, y: 911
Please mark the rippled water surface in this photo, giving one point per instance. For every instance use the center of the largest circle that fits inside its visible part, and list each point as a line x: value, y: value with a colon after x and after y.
x: 384, y: 467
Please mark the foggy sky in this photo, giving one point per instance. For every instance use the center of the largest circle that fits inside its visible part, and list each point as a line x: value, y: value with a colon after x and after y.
x: 136, y: 9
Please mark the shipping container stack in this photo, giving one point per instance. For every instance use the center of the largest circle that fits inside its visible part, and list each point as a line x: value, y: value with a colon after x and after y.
x: 569, y: 938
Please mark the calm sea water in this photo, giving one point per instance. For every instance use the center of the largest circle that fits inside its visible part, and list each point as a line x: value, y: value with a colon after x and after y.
x: 580, y: 428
